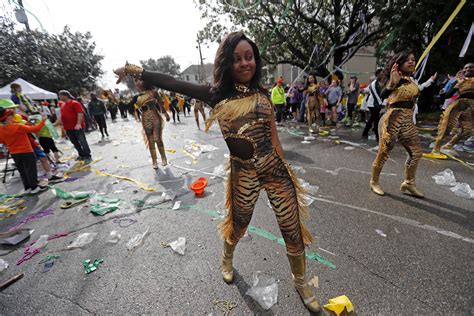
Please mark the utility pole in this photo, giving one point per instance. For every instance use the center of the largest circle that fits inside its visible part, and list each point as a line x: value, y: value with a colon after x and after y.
x: 201, y: 72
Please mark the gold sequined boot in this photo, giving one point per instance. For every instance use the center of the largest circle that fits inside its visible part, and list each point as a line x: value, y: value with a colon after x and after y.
x: 374, y: 181
x: 408, y: 186
x: 153, y: 155
x: 226, y: 262
x: 164, y: 162
x: 298, y: 268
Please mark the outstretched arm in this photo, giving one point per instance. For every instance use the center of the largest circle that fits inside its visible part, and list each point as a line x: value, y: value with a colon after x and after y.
x: 166, y: 82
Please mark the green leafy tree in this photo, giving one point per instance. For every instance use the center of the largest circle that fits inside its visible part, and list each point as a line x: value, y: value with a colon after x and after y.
x: 289, y: 31
x: 165, y: 64
x: 53, y: 62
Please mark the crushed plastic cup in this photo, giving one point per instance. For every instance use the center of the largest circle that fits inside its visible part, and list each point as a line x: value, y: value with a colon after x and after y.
x: 445, y: 177
x: 114, y: 237
x: 264, y: 290
x: 463, y: 190
x: 381, y: 233
x: 82, y: 240
x: 41, y: 242
x: 176, y: 205
x: 179, y: 245
x: 3, y: 265
x: 137, y: 240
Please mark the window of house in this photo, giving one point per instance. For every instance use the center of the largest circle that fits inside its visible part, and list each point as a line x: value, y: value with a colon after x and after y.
x: 196, y: 77
x: 187, y: 77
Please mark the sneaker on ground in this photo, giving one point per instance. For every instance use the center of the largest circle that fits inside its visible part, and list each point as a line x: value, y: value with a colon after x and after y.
x: 38, y: 189
x: 55, y: 177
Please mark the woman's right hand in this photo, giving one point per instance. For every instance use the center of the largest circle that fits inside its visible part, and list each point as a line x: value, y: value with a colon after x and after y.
x: 120, y: 72
x: 394, y: 76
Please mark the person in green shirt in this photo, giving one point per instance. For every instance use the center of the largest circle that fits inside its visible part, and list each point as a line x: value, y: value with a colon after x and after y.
x: 279, y: 99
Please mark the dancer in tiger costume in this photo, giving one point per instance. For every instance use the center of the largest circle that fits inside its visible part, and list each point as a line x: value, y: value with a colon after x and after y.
x: 313, y: 106
x: 150, y: 106
x: 397, y: 123
x: 246, y: 118
x: 460, y: 112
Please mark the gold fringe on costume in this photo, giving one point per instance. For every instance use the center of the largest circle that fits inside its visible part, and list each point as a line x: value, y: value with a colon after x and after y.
x: 302, y: 208
x: 226, y: 227
x: 232, y: 109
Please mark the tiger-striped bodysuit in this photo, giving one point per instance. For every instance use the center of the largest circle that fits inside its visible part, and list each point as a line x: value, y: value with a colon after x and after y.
x: 459, y: 114
x: 397, y: 123
x: 256, y: 165
x: 313, y: 107
x: 152, y: 123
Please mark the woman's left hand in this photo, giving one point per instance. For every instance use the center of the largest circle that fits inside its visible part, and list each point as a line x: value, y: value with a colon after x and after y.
x: 433, y: 77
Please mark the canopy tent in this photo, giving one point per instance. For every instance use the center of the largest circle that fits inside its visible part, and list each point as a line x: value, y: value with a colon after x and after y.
x: 34, y: 92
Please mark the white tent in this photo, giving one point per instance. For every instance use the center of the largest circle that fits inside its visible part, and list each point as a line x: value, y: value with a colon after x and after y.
x: 28, y: 89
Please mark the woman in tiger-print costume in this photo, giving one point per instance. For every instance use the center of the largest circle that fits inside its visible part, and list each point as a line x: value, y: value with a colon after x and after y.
x: 460, y: 112
x: 397, y: 123
x: 150, y: 105
x: 313, y: 106
x: 245, y: 115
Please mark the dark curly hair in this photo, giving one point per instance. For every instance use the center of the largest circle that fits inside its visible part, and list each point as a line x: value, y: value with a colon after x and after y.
x: 223, y: 63
x: 306, y: 83
x: 399, y: 59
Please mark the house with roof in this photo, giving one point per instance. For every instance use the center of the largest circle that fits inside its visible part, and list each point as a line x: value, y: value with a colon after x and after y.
x: 198, y: 74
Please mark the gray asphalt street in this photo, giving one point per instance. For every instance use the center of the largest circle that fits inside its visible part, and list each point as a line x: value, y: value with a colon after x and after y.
x: 391, y: 255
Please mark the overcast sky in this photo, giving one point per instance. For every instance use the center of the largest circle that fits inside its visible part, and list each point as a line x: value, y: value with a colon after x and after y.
x: 128, y: 30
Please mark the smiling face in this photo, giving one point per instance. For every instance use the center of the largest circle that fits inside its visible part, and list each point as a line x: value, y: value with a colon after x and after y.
x: 243, y: 68
x: 311, y: 79
x: 468, y: 70
x: 408, y: 67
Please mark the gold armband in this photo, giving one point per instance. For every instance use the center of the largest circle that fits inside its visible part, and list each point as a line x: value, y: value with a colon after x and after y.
x: 133, y: 70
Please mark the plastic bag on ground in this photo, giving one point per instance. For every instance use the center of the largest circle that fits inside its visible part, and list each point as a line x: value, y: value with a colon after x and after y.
x: 179, y: 246
x: 3, y: 265
x: 74, y: 195
x: 208, y: 148
x: 463, y: 190
x: 264, y: 290
x: 137, y: 240
x: 82, y: 240
x: 445, y: 177
x: 309, y: 188
x: 114, y: 237
x: 219, y: 171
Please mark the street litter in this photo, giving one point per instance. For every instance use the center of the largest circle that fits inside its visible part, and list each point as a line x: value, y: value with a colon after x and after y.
x: 31, y: 217
x: 13, y: 238
x: 74, y: 195
x: 264, y: 290
x: 225, y: 306
x: 48, y: 258
x: 314, y: 282
x: 101, y: 205
x: 124, y: 222
x: 309, y: 138
x: 219, y: 171
x: 381, y: 233
x: 199, y: 185
x: 82, y: 240
x: 91, y: 266
x: 298, y: 169
x: 72, y: 203
x: 309, y: 188
x: 445, y: 177
x: 47, y: 266
x: 137, y: 240
x: 114, y: 237
x: 463, y: 190
x: 348, y: 148
x: 207, y: 148
x: 33, y: 249
x: 3, y: 265
x: 10, y: 281
x: 339, y: 304
x: 177, y: 205
x: 179, y: 245
x: 306, y: 142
